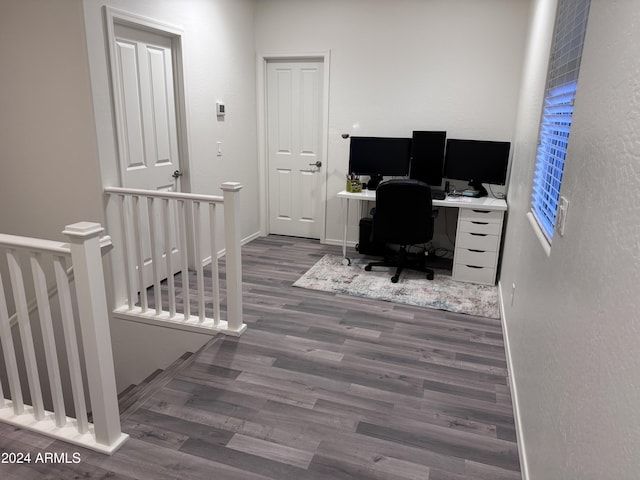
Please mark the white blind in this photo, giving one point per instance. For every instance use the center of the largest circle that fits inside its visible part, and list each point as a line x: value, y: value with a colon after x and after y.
x: 555, y: 126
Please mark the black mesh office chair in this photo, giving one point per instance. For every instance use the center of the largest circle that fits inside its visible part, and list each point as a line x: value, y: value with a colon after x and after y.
x: 403, y: 216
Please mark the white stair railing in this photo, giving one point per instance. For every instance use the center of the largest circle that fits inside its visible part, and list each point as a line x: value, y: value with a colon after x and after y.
x: 32, y: 265
x: 161, y: 231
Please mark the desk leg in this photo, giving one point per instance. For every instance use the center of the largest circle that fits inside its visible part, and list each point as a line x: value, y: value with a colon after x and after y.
x: 345, y: 213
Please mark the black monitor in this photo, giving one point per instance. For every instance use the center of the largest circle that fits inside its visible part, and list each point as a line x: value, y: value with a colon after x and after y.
x: 378, y: 157
x: 427, y: 156
x: 477, y: 161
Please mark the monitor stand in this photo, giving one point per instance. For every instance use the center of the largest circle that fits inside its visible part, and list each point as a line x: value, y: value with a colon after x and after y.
x: 373, y: 182
x: 476, y: 189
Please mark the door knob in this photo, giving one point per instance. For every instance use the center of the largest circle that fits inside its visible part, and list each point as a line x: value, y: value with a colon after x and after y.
x: 177, y: 174
x: 316, y: 164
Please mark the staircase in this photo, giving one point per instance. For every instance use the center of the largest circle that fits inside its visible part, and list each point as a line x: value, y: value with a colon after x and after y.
x: 134, y: 396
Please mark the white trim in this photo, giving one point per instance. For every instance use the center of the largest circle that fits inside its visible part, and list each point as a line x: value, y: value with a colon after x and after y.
x: 524, y: 464
x: 544, y: 242
x: 68, y: 433
x: 261, y: 98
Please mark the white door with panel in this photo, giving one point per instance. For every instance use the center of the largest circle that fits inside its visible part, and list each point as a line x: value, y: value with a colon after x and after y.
x: 144, y: 103
x: 294, y: 146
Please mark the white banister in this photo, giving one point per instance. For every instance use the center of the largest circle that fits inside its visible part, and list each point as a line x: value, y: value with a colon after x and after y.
x: 231, y: 194
x: 85, y: 251
x: 167, y: 232
x: 84, y: 239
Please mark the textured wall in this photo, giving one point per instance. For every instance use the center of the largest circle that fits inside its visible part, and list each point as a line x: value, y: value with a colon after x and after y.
x: 219, y: 58
x: 574, y: 327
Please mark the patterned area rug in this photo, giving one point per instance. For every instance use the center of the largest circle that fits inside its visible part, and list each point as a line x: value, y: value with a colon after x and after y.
x: 441, y: 293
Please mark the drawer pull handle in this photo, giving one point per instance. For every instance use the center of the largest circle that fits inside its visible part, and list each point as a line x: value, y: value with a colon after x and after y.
x: 474, y: 266
x: 480, y: 223
x: 481, y: 211
x: 476, y: 251
x: 479, y: 234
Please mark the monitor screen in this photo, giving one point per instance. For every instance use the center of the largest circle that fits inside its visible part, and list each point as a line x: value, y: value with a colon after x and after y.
x: 379, y: 156
x: 480, y: 161
x: 427, y: 156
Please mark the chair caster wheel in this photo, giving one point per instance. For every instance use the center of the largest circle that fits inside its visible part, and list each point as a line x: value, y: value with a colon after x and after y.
x: 367, y: 268
x: 430, y: 276
x: 346, y: 261
x: 394, y: 279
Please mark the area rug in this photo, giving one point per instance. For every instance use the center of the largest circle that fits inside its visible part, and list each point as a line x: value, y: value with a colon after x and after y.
x: 441, y: 293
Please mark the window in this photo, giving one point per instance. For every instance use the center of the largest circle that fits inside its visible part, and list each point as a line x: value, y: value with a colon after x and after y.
x: 555, y: 126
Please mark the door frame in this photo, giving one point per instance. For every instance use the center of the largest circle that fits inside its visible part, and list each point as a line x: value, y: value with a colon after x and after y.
x: 176, y: 35
x: 263, y: 158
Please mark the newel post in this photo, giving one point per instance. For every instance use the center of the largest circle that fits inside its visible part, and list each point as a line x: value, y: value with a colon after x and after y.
x: 231, y: 196
x: 84, y: 240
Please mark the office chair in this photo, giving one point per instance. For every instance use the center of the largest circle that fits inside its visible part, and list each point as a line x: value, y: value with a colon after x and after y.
x: 403, y: 216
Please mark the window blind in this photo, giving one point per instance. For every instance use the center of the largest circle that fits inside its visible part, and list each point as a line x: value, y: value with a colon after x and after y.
x: 555, y: 125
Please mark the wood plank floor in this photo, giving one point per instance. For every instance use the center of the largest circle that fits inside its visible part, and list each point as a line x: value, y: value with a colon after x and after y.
x: 320, y: 387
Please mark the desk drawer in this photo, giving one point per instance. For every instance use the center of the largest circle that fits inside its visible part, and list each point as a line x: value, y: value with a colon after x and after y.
x: 480, y: 226
x: 466, y: 273
x: 477, y: 258
x: 493, y: 216
x: 475, y: 241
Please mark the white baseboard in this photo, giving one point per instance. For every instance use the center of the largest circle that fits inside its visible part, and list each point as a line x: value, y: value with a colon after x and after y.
x: 514, y: 391
x: 207, y: 260
x: 333, y: 241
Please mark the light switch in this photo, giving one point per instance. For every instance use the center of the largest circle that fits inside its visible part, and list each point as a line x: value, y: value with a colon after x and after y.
x: 220, y: 109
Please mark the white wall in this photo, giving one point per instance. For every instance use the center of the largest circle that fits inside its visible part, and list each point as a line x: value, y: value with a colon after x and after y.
x: 402, y: 66
x: 50, y: 174
x: 573, y: 329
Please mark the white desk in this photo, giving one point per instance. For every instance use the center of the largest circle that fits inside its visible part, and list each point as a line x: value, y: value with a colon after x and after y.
x: 478, y: 234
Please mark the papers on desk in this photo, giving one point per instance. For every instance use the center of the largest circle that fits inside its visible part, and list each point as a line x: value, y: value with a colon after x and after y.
x: 462, y: 199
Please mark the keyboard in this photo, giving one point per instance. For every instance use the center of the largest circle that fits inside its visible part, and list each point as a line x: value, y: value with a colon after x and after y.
x: 438, y: 195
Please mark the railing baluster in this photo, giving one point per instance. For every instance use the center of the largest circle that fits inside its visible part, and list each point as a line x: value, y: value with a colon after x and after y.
x: 184, y: 254
x: 10, y: 355
x: 197, y: 240
x: 48, y: 339
x: 128, y: 267
x: 166, y: 215
x: 215, y: 273
x: 71, y: 343
x: 155, y: 256
x: 26, y: 337
x: 144, y: 303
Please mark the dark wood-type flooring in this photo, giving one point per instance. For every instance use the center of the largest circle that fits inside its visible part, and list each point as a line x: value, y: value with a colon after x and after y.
x: 320, y: 387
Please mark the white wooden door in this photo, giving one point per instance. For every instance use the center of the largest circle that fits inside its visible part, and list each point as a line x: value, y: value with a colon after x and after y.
x: 294, y: 146
x: 147, y: 127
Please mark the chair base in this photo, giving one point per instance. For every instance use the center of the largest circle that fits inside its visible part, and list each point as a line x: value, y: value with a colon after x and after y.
x: 401, y: 261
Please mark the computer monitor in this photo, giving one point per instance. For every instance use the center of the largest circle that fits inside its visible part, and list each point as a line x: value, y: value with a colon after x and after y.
x: 477, y: 161
x: 378, y: 157
x: 427, y: 156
